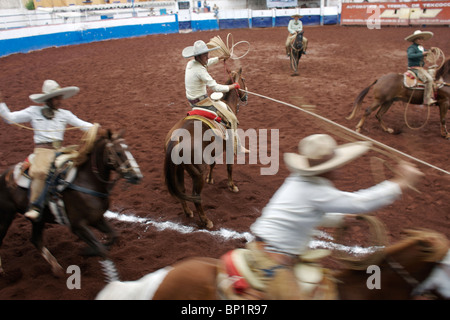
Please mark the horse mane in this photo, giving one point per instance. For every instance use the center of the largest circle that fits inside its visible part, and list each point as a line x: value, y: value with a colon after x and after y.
x: 444, y: 69
x: 88, y: 141
x: 435, y: 245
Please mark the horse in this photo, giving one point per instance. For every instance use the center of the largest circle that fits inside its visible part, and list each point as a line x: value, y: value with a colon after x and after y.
x: 82, y: 200
x: 402, y: 268
x: 197, y: 169
x: 296, y: 51
x: 390, y: 88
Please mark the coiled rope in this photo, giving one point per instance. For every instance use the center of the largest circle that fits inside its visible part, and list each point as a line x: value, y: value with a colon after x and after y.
x: 226, y: 50
x: 346, y: 131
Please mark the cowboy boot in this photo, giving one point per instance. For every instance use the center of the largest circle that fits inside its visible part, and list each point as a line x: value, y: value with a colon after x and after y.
x: 36, y: 199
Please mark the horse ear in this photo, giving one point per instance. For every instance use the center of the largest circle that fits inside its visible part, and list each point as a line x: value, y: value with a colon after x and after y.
x: 118, y: 135
x: 109, y: 134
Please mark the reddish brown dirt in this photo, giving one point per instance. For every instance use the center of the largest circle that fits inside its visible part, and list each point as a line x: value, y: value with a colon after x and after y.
x: 138, y: 84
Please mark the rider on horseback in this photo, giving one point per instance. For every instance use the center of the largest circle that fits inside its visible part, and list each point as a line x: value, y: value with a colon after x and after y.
x: 286, y: 225
x: 197, y: 79
x: 416, y: 54
x: 295, y: 25
x: 49, y: 123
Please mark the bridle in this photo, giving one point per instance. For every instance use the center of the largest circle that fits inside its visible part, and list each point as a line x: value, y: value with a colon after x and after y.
x: 112, y: 158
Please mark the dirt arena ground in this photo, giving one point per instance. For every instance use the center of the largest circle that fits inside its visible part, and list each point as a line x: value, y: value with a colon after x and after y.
x: 138, y: 84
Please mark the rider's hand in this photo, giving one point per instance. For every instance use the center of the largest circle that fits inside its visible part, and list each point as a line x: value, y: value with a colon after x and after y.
x: 407, y: 175
x: 235, y: 86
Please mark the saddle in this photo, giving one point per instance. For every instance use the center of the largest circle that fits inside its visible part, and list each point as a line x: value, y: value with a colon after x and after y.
x: 237, y: 281
x: 412, y: 81
x: 62, y: 174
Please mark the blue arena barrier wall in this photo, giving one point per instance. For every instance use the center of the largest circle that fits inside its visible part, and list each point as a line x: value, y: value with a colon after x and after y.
x: 26, y: 39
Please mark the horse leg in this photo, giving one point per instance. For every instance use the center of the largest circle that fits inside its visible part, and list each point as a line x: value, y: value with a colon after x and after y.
x: 198, y: 184
x: 367, y: 113
x: 443, y: 108
x: 103, y: 226
x: 6, y: 219
x: 383, y: 109
x: 231, y: 186
x: 209, y: 177
x: 180, y: 180
x: 96, y: 248
x: 36, y: 239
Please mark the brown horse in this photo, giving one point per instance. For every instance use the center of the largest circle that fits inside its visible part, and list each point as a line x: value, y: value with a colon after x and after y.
x: 402, y: 267
x: 85, y: 197
x: 198, y: 168
x: 390, y: 88
x: 295, y: 52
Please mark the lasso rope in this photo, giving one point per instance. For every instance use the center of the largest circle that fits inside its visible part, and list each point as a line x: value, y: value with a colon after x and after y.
x: 435, y: 54
x: 226, y: 50
x: 406, y: 117
x: 346, y: 130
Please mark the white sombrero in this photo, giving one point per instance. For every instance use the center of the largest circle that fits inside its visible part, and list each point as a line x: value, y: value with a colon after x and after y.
x: 323, y: 149
x: 51, y: 89
x: 426, y: 35
x: 198, y: 48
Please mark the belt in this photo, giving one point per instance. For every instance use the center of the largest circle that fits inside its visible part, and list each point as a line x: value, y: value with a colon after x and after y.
x: 281, y: 258
x: 53, y: 145
x: 198, y: 99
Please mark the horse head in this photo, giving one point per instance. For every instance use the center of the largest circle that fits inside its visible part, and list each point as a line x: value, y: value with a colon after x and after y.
x: 120, y: 158
x: 298, y: 41
x: 110, y: 153
x: 236, y: 77
x: 416, y: 259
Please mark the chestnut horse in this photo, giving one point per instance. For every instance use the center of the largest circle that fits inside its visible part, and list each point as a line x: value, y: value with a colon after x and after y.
x: 85, y: 198
x: 296, y: 51
x: 403, y: 266
x: 390, y: 88
x: 198, y: 169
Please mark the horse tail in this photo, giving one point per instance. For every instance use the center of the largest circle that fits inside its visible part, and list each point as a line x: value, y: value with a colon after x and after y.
x: 171, y: 174
x: 358, y: 101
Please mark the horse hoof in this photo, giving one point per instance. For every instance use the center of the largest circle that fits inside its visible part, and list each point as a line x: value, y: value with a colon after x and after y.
x: 391, y: 131
x: 233, y: 188
x: 209, y: 224
x: 210, y: 181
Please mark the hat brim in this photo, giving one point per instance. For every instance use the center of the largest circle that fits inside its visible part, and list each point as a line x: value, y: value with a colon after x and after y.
x: 426, y: 35
x: 296, y: 15
x: 189, y: 51
x: 343, y: 154
x: 66, y: 92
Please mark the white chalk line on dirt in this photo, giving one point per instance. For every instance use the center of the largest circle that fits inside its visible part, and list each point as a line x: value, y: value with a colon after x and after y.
x: 228, y: 234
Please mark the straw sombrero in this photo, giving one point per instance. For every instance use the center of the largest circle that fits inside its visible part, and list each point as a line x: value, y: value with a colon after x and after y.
x: 198, y: 48
x: 51, y: 89
x: 323, y: 149
x: 426, y: 35
x: 296, y: 15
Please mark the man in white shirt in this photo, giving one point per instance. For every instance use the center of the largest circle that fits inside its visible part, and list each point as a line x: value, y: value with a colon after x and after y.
x: 295, y: 25
x: 197, y: 79
x: 49, y: 123
x: 287, y: 223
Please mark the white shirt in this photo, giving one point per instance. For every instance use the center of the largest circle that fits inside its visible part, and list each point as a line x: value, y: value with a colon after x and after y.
x: 295, y: 26
x: 288, y: 221
x: 197, y: 78
x: 46, y: 130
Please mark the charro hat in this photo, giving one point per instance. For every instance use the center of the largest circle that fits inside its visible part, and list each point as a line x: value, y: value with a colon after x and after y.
x: 319, y: 153
x: 426, y: 35
x: 198, y: 48
x: 296, y: 15
x: 51, y: 89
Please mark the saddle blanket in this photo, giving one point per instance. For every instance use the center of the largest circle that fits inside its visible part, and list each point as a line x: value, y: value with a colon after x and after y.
x: 205, y: 113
